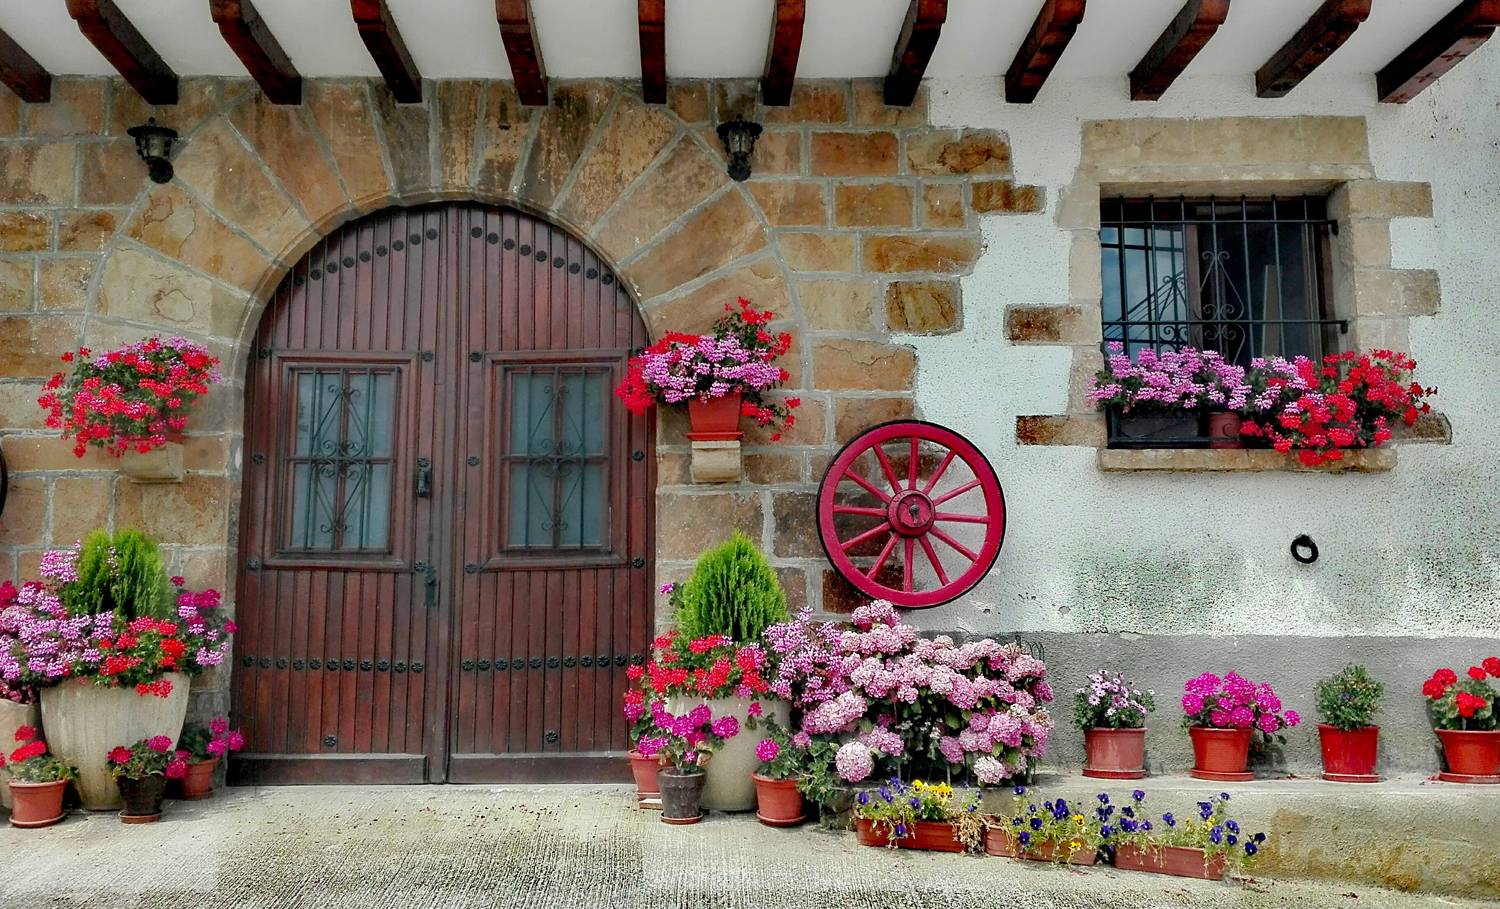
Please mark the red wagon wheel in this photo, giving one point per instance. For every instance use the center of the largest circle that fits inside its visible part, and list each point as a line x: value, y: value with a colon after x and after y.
x: 911, y: 512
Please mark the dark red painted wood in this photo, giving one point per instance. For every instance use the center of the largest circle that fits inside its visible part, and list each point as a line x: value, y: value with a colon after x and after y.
x: 452, y: 299
x: 1044, y: 45
x: 522, y: 50
x: 126, y: 49
x: 652, y: 18
x: 251, y: 39
x: 1325, y: 31
x: 914, y: 47
x: 781, y: 56
x: 1186, y: 35
x: 1442, y: 47
x: 27, y: 78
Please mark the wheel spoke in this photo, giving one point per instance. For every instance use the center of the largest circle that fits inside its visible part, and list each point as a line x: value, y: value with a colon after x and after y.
x: 885, y: 465
x: 965, y: 551
x: 859, y: 509
x: 907, y: 566
x: 938, y: 474
x: 955, y: 493
x: 885, y: 555
x: 874, y: 490
x: 936, y: 565
x: 911, y: 465
x: 877, y: 530
x: 950, y: 516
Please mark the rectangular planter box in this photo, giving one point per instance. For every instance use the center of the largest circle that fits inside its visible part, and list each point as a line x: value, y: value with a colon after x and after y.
x: 1002, y: 843
x: 1153, y: 430
x: 1178, y: 861
x: 930, y: 836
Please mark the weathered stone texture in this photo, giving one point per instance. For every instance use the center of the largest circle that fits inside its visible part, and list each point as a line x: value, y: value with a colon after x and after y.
x: 1005, y: 197
x: 633, y: 137
x: 720, y: 233
x: 679, y: 184
x: 812, y: 103
x: 225, y: 175
x: 1061, y: 430
x: 176, y: 224
x: 503, y: 135
x: 458, y: 105
x: 283, y: 139
x: 75, y: 109
x: 344, y: 117
x: 968, y: 151
x: 189, y: 513
x: 759, y: 281
x: 816, y: 251
x: 63, y: 283
x: 794, y: 533
x: 26, y: 509
x: 830, y: 305
x: 920, y: 252
x: 1052, y: 324
x: 141, y: 288
x: 405, y: 131
x: 873, y: 204
x: 29, y: 346
x: 79, y: 505
x: 562, y: 133
x: 36, y: 173
x: 86, y: 231
x: 863, y: 365
x: 17, y: 282
x: 943, y: 205
x: 836, y: 154
x: 24, y: 231
x: 790, y: 203
x: 700, y: 521
x: 922, y: 307
x: 853, y: 416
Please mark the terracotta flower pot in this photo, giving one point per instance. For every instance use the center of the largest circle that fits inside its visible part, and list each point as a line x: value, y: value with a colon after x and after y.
x: 647, y: 789
x: 680, y: 791
x: 1115, y: 754
x: 1472, y: 756
x: 1001, y: 842
x: 1221, y: 754
x: 142, y: 798
x: 199, y: 782
x: 37, y: 804
x: 83, y: 722
x: 717, y: 419
x: 929, y: 836
x: 1179, y: 861
x: 778, y: 803
x: 1224, y: 430
x: 1349, y: 755
x: 12, y: 717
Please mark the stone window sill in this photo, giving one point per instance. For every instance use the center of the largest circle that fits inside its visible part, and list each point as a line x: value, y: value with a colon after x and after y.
x: 1207, y: 460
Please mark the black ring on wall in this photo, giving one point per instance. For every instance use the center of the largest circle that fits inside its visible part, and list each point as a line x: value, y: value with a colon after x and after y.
x: 1304, y: 550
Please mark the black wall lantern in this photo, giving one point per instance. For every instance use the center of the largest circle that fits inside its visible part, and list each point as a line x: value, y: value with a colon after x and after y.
x: 154, y: 144
x: 738, y: 136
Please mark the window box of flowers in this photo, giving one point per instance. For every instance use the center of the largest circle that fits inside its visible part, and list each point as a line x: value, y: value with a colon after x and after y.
x: 38, y: 781
x: 132, y: 403
x: 1206, y: 847
x: 1350, y: 741
x: 721, y: 376
x: 1185, y: 398
x: 1465, y: 715
x: 141, y: 772
x: 1112, y: 714
x: 778, y: 801
x: 112, y: 648
x: 1054, y: 831
x: 1223, y: 716
x: 203, y: 747
x: 918, y: 815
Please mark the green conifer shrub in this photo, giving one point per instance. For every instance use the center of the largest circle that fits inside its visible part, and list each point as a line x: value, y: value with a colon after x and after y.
x: 733, y: 591
x: 122, y: 573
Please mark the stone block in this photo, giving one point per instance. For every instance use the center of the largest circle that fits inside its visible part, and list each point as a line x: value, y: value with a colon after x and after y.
x: 25, y: 231
x: 794, y: 528
x: 845, y: 364
x: 343, y: 113
x: 18, y: 407
x: 943, y: 205
x: 188, y: 513
x: 812, y: 102
x: 853, y: 416
x: 1053, y: 324
x: 1078, y: 206
x: 142, y: 288
x: 1075, y: 429
x: 951, y: 151
x: 63, y: 283
x: 944, y: 253
x: 1336, y: 140
x: 1381, y: 199
x: 197, y: 99
x: 808, y: 251
x: 628, y: 143
x: 777, y: 152
x: 838, y: 596
x: 30, y: 345
x: 843, y: 154
x: 25, y: 521
x: 504, y: 132
x: 79, y: 505
x: 870, y: 108
x: 759, y: 281
x: 1365, y: 243
x: 673, y: 468
x: 406, y: 132
x: 1184, y: 460
x: 794, y: 585
x: 1431, y: 428
x: 688, y: 523
x: 689, y: 100
x: 1421, y: 291
x: 226, y: 176
x: 1005, y: 197
x: 75, y: 109
x: 809, y: 420
x: 109, y: 173
x: 283, y: 137
x: 874, y: 204
x: 829, y: 305
x: 86, y: 231
x: 772, y: 468
x: 39, y: 173
x: 178, y: 225
x: 790, y: 203
x: 457, y: 108
x: 719, y: 233
x: 17, y: 284
x: 716, y: 462
x: 923, y: 307
x: 679, y: 184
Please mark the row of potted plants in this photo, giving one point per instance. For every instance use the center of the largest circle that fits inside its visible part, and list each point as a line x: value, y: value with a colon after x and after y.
x: 1316, y: 409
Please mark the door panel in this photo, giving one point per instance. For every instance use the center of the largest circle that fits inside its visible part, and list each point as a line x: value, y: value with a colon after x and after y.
x: 446, y: 527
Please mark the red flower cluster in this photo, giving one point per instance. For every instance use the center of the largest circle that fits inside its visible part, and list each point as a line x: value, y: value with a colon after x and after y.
x: 128, y: 399
x: 709, y: 667
x: 1464, y: 703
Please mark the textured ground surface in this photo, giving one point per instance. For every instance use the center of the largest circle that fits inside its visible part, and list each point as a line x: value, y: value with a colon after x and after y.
x: 569, y: 847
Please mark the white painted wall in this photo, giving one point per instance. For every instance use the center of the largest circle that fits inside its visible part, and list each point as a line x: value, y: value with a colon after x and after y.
x: 1412, y: 552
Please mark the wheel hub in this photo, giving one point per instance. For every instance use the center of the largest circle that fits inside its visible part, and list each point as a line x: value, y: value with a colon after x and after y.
x: 911, y: 513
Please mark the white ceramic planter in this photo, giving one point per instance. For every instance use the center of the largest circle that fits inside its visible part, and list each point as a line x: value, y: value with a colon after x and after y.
x: 83, y: 722
x: 12, y: 717
x: 728, y: 785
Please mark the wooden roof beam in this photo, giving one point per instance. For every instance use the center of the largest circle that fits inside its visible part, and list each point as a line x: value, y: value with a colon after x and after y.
x: 126, y: 50
x: 383, y: 40
x: 22, y: 74
x: 1330, y: 26
x: 1444, y: 46
x: 652, y: 16
x: 1043, y: 47
x: 518, y: 34
x: 250, y: 38
x: 1194, y: 25
x: 781, y: 57
x: 919, y: 38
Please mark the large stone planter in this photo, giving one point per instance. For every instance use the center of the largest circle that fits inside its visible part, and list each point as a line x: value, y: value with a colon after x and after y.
x: 83, y: 722
x: 12, y: 717
x: 728, y: 785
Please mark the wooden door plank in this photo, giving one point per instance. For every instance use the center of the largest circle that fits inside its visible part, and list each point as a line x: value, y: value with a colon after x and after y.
x: 126, y: 49
x: 1044, y: 45
x: 1186, y: 35
x: 1330, y: 25
x: 251, y: 39
x: 914, y: 47
x: 1438, y: 50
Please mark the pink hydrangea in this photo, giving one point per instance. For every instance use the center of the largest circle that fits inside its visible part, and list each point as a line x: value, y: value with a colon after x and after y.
x: 853, y: 762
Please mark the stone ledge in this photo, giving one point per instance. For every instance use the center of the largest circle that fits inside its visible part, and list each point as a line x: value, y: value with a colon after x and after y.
x: 1209, y: 460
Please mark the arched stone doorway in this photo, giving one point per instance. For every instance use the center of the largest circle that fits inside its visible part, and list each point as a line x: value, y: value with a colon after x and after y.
x: 446, y: 523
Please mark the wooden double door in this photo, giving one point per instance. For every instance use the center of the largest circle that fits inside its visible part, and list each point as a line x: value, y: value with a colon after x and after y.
x: 446, y: 528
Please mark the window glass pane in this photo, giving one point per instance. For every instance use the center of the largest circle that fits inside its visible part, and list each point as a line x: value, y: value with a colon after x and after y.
x: 557, y: 457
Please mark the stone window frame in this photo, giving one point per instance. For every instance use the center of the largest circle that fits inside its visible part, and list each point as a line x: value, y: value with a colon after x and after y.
x: 1233, y: 156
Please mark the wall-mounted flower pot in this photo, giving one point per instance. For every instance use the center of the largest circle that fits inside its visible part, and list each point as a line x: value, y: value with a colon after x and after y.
x: 12, y: 717
x: 1003, y: 843
x: 1179, y: 861
x: 1115, y: 754
x: 1221, y: 755
x: 159, y: 465
x: 928, y: 836
x: 198, y: 783
x: 142, y: 798
x: 36, y: 804
x: 717, y: 419
x: 647, y: 789
x: 777, y: 802
x: 1146, y: 429
x: 680, y: 791
x: 1472, y: 756
x: 1349, y: 755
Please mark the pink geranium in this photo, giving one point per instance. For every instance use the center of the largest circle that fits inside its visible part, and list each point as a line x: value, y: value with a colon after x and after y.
x: 1234, y: 702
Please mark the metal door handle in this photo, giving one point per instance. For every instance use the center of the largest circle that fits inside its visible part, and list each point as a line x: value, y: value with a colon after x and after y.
x: 424, y: 478
x: 431, y: 583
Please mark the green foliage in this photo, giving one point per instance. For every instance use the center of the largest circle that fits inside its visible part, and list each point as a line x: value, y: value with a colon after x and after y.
x: 733, y: 591
x: 121, y: 573
x: 1350, y: 699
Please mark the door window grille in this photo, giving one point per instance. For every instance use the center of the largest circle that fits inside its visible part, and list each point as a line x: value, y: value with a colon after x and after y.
x: 556, y: 457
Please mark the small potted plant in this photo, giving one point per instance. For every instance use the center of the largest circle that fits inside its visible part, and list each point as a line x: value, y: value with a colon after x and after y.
x: 38, y: 781
x: 203, y: 747
x: 1054, y: 831
x: 141, y: 771
x: 1349, y: 738
x: 642, y: 769
x: 1206, y: 846
x: 1467, y: 721
x: 1223, y: 716
x: 684, y: 743
x: 919, y: 815
x: 1174, y: 397
x: 777, y: 797
x: 1112, y: 714
x: 720, y: 376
